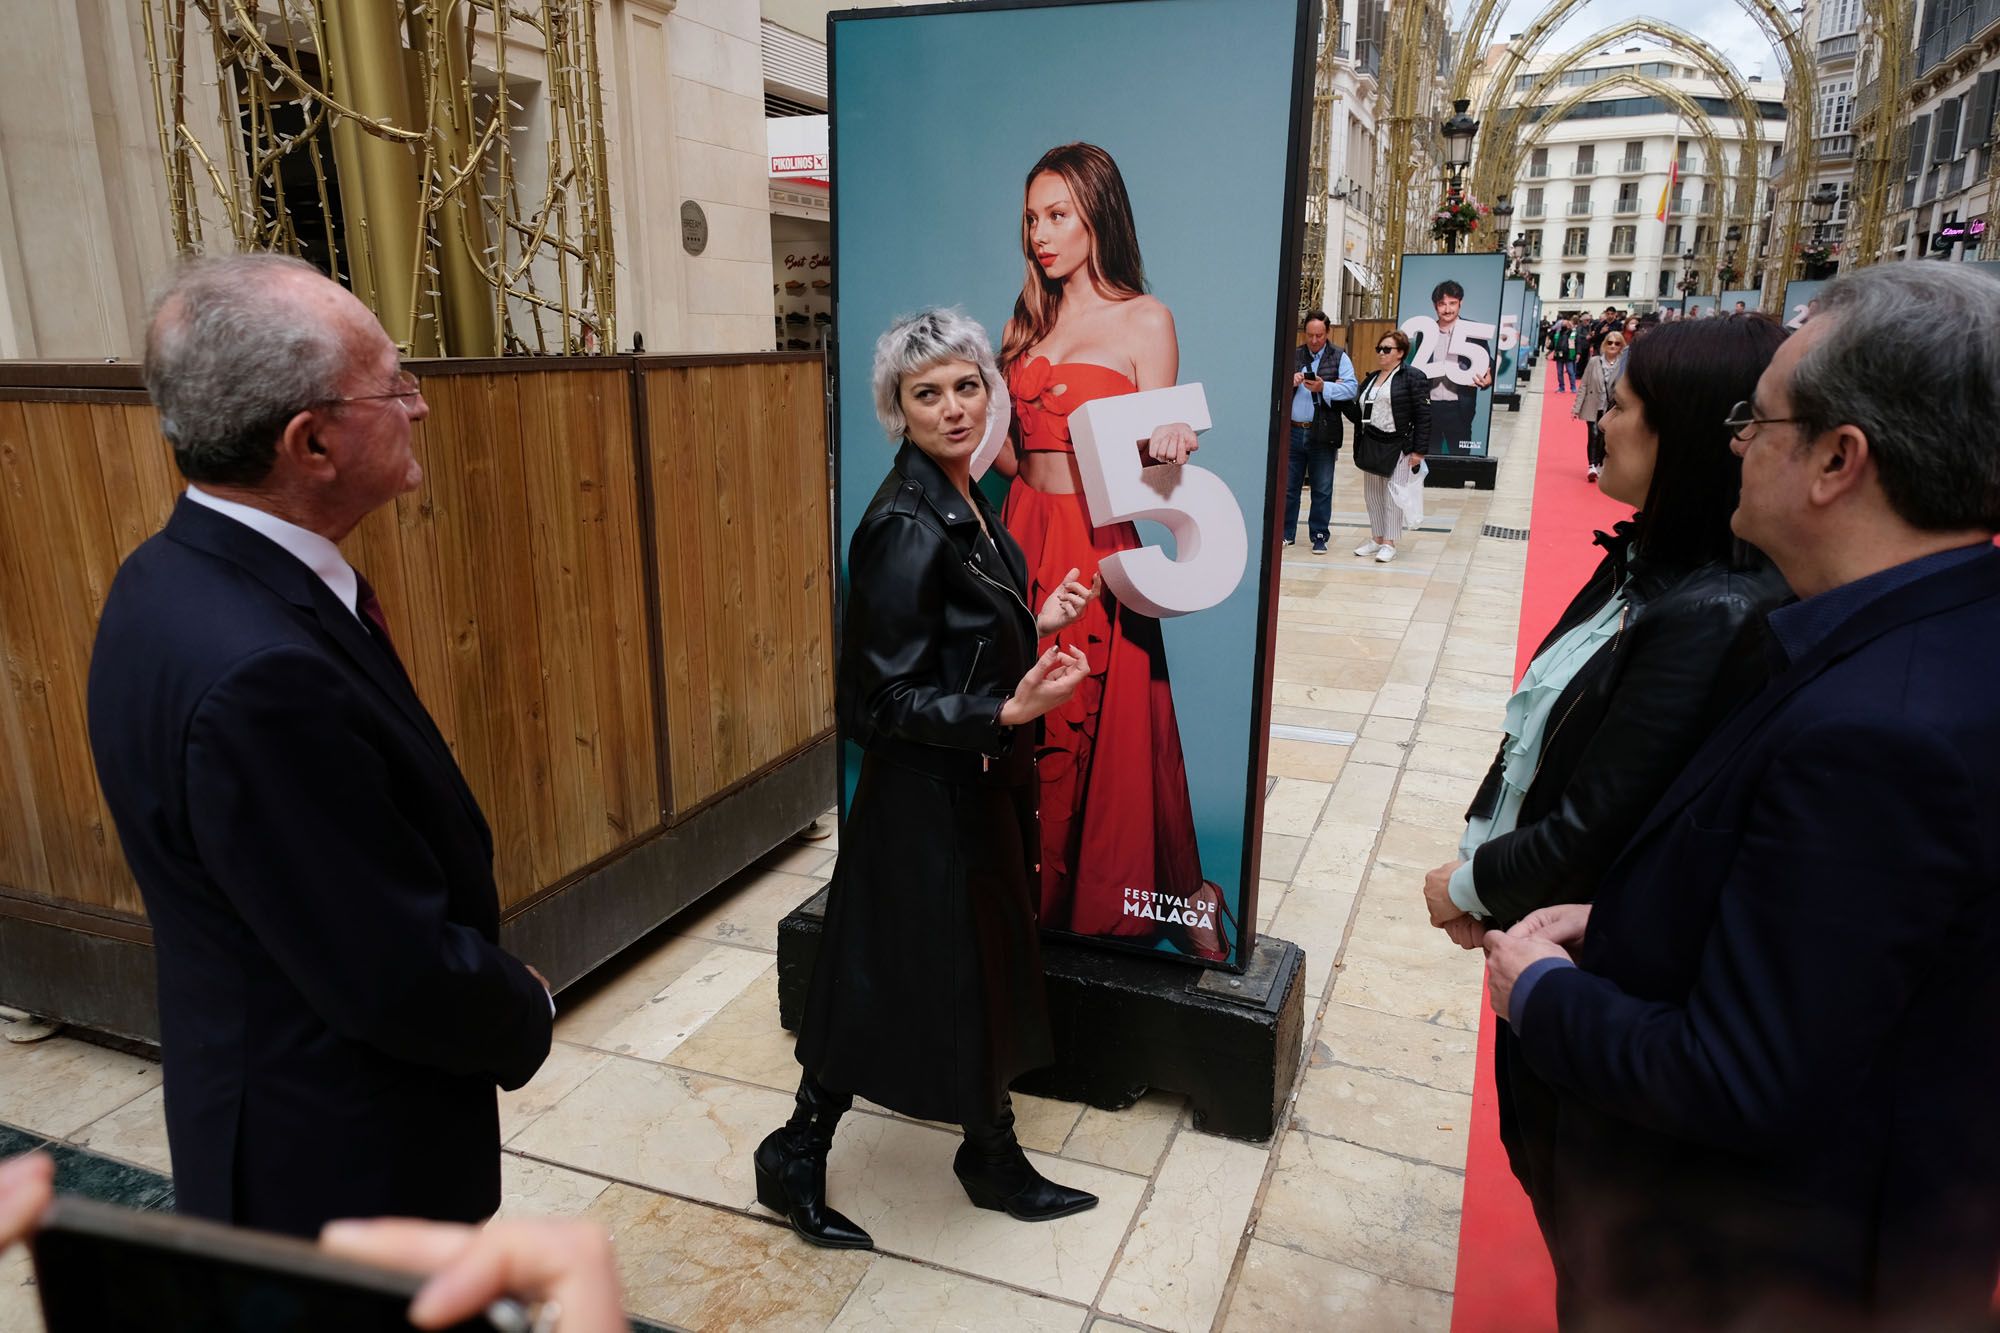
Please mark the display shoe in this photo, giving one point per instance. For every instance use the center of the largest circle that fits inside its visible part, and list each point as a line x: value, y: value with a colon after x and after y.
x: 1369, y: 547
x: 1385, y: 555
x: 791, y: 1170
x: 996, y: 1174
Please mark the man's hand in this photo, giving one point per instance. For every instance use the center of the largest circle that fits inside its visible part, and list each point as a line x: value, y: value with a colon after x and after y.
x: 1467, y: 932
x: 1437, y: 894
x: 563, y: 1263
x: 1562, y: 924
x: 1507, y: 957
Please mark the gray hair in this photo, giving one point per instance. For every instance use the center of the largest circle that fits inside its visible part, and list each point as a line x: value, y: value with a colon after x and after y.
x: 1910, y: 354
x: 230, y: 358
x: 917, y: 342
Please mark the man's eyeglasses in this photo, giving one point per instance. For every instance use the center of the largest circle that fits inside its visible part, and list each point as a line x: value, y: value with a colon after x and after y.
x: 406, y: 387
x: 1743, y: 417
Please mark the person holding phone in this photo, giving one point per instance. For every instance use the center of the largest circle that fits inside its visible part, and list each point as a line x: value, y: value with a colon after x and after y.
x: 1392, y: 418
x: 1322, y: 379
x: 926, y: 994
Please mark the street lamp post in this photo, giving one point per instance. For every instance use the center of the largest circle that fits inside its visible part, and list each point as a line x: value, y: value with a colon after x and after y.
x: 1458, y: 130
x: 1503, y: 217
x: 1822, y: 204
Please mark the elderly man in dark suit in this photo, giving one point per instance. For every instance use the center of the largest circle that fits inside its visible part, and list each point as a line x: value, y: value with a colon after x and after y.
x: 1777, y: 1054
x: 334, y: 1010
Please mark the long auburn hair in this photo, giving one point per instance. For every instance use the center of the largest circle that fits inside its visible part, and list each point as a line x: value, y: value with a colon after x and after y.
x: 1098, y: 192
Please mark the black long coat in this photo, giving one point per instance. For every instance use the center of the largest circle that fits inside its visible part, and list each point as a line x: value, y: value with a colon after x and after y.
x: 927, y: 996
x: 335, y: 1011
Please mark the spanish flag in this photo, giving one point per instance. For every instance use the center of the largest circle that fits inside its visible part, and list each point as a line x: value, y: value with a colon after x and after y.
x: 1673, y: 179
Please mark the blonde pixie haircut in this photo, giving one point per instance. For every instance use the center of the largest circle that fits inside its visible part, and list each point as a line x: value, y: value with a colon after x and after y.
x: 917, y: 342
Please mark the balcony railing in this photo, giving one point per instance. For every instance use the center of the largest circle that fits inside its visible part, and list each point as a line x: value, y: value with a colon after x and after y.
x: 1623, y: 249
x: 1835, y: 146
x: 1579, y: 252
x: 1581, y: 210
x: 1957, y: 32
x: 1626, y: 208
x: 1844, y: 45
x: 1533, y: 211
x: 1583, y: 167
x: 1538, y: 170
x: 1955, y: 181
x: 1346, y: 41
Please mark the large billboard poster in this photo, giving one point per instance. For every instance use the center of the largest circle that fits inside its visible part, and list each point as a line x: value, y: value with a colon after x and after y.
x: 1450, y: 307
x: 1513, y: 341
x: 1698, y: 307
x: 1748, y: 297
x: 1053, y: 170
x: 1799, y: 298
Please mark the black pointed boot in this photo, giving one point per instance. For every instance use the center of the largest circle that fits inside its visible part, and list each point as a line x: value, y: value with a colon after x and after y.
x: 791, y: 1170
x: 997, y: 1174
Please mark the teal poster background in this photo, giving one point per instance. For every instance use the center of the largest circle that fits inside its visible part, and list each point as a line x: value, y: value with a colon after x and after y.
x: 937, y: 118
x: 1459, y: 426
x: 1694, y: 303
x: 1749, y: 296
x: 1799, y: 296
x: 1515, y: 336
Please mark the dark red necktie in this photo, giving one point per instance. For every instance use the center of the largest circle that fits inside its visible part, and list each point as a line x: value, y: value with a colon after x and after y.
x: 370, y: 607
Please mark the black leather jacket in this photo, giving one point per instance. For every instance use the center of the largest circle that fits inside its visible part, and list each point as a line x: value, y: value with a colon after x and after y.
x: 1692, y: 647
x: 937, y: 632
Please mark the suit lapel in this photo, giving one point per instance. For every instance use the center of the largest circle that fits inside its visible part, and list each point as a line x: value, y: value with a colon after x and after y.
x: 1929, y: 596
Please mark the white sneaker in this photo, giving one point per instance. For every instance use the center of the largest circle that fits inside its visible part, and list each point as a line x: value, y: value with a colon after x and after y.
x: 1385, y: 555
x: 1369, y: 547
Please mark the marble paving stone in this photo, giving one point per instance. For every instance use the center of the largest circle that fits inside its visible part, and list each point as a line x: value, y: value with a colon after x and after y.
x: 1405, y: 1048
x: 1361, y: 795
x: 629, y: 982
x: 57, y: 1086
x: 536, y: 1189
x: 1399, y: 700
x: 798, y: 858
x: 1470, y: 717
x: 79, y: 1171
x: 1394, y: 730
x: 1340, y: 672
x: 744, y: 1041
x: 701, y: 1268
x: 1177, y: 1260
x: 1319, y: 719
x: 894, y: 1177
x: 1042, y: 1124
x: 746, y: 911
x: 136, y: 1132
x: 1270, y: 896
x: 1417, y: 847
x: 662, y: 1128
x: 1309, y: 760
x: 1337, y: 857
x: 1110, y: 1325
x: 1438, y: 989
x: 566, y: 1067
x: 1429, y: 757
x: 897, y: 1294
x: 1293, y: 809
x: 1281, y: 1289
x: 20, y: 1302
x: 1301, y: 695
x: 1385, y: 753
x: 1387, y: 1114
x: 1316, y: 921
x: 1362, y: 1208
x: 1128, y: 1140
x: 1281, y: 853
x: 690, y: 1000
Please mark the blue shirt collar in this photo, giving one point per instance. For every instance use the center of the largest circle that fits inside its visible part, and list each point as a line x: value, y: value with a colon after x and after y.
x: 1802, y: 626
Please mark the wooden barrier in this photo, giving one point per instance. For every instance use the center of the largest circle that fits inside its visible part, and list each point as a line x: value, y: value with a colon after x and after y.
x: 613, y: 592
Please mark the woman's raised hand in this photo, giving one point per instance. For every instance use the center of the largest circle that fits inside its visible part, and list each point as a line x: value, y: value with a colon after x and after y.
x: 1049, y: 684
x: 1065, y: 605
x: 565, y: 1264
x: 1172, y: 443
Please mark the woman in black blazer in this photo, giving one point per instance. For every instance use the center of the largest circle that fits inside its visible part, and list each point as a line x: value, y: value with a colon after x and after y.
x: 1662, y: 642
x: 1392, y: 417
x: 927, y: 993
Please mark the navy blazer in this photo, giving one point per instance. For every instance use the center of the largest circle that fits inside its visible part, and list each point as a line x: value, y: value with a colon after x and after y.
x: 334, y: 1008
x: 1778, y: 1064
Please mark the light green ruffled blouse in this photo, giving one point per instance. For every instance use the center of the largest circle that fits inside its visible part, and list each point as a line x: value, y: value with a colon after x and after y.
x: 1527, y: 727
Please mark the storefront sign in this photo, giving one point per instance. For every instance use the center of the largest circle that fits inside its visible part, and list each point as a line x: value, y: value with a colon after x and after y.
x: 694, y: 227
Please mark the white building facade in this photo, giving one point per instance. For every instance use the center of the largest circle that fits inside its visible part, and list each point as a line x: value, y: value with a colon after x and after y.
x: 1948, y: 175
x: 1588, y: 196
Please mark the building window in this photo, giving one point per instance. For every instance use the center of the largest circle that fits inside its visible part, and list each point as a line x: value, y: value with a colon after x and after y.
x: 1666, y: 282
x: 1572, y: 287
x: 1672, y: 244
x: 1836, y: 106
x: 1534, y: 243
x: 1618, y: 282
x: 1576, y: 242
x: 1624, y: 240
x: 1838, y: 17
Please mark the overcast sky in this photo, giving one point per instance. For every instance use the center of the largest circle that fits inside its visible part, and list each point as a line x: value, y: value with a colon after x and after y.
x: 1723, y: 23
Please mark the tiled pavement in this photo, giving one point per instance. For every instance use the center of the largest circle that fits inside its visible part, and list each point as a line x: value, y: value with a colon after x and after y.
x: 1390, y: 682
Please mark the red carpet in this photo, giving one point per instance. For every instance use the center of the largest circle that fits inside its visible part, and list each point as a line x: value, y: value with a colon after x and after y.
x: 1505, y: 1284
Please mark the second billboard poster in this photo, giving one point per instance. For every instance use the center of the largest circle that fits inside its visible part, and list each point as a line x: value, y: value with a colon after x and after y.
x: 1057, y: 172
x: 1449, y: 305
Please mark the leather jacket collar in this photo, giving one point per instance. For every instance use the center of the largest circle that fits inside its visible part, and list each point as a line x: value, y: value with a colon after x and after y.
x: 938, y: 492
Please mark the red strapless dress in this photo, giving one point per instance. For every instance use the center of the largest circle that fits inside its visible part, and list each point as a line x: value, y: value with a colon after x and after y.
x: 1114, y: 805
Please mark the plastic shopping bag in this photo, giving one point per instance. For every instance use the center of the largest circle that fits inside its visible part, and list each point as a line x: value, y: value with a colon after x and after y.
x: 1406, y: 492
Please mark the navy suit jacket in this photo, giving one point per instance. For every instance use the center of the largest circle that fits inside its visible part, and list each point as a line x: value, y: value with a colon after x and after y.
x: 1778, y: 1062
x: 334, y: 1009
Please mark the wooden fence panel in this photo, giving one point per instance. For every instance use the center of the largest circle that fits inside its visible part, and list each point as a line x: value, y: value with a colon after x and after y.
x: 739, y: 472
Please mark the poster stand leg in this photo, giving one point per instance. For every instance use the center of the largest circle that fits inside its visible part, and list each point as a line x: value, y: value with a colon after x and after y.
x: 1125, y: 1024
x: 1458, y: 471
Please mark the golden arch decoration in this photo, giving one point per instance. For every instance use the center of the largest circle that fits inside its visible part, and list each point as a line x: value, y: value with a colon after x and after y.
x: 1500, y: 167
x: 1779, y: 27
x: 1703, y: 124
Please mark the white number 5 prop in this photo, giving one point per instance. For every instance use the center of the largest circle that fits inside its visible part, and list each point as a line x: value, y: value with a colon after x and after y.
x: 1194, y: 504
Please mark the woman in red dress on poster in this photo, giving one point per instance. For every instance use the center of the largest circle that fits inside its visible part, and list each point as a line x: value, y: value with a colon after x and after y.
x: 1117, y: 827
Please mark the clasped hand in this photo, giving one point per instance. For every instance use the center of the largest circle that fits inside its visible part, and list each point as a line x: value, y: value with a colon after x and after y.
x: 1172, y: 443
x: 1548, y: 932
x: 1065, y: 605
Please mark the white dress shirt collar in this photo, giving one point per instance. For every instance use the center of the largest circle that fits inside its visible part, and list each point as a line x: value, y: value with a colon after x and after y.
x: 310, y: 549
